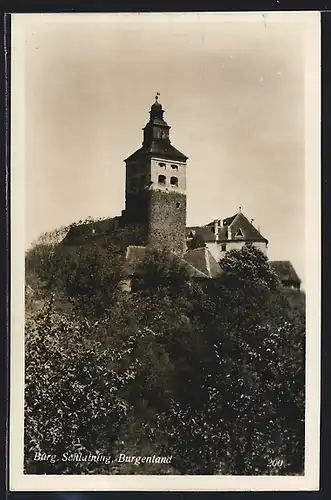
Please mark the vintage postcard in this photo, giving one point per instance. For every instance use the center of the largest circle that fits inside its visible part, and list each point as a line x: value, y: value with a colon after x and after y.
x: 165, y: 251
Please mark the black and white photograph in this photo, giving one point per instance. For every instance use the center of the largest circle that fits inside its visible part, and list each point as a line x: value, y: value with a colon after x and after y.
x: 165, y: 251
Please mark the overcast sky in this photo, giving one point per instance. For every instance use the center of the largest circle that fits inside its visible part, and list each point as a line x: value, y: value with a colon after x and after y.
x: 233, y: 93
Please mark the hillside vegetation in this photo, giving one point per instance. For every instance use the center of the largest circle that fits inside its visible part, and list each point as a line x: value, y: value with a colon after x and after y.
x: 211, y: 374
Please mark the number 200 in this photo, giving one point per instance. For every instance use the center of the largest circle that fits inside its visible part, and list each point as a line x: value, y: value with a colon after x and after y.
x: 275, y: 462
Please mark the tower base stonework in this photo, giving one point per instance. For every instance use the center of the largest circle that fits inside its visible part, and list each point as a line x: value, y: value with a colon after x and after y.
x: 167, y: 221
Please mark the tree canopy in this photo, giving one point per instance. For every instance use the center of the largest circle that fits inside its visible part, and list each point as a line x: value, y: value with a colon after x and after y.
x: 210, y: 373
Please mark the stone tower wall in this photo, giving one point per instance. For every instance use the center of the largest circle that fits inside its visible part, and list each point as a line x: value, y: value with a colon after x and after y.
x: 167, y: 220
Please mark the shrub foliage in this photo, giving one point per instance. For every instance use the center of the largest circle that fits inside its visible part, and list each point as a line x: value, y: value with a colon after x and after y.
x: 209, y: 373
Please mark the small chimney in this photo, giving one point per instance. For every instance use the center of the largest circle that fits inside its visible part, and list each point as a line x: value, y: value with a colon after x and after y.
x: 216, y: 226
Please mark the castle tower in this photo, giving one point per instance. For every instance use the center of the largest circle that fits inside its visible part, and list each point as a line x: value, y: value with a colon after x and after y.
x: 155, y: 190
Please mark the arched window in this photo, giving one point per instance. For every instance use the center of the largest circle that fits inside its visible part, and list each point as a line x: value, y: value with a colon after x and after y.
x: 163, y: 165
x: 174, y: 167
x: 174, y: 181
x: 162, y: 179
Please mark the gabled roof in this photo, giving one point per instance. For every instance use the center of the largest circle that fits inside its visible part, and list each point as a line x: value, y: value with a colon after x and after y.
x: 229, y: 220
x: 159, y: 148
x: 235, y: 223
x: 239, y: 221
x: 203, y: 232
x: 285, y: 271
x: 202, y: 260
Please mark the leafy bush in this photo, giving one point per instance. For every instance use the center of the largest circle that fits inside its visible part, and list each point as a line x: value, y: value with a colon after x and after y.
x: 211, y: 374
x: 72, y: 391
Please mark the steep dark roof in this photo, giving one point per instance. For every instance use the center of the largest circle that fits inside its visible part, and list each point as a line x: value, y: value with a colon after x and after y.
x: 250, y: 233
x: 202, y: 260
x: 235, y: 222
x: 229, y: 220
x: 203, y: 232
x: 285, y: 271
x: 159, y: 148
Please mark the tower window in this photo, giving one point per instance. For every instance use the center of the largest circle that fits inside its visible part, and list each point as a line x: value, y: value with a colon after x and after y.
x: 162, y: 179
x: 223, y: 248
x: 174, y: 167
x: 177, y: 204
x: 174, y: 181
x: 163, y: 165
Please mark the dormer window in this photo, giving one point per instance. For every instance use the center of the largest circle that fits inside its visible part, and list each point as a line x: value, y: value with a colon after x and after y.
x: 162, y: 179
x: 174, y: 167
x: 239, y: 234
x: 174, y: 181
x: 162, y: 165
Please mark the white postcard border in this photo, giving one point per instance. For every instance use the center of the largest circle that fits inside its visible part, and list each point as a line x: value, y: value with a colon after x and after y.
x: 310, y: 480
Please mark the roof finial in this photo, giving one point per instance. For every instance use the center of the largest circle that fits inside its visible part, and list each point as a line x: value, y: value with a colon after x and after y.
x: 239, y: 209
x: 156, y: 109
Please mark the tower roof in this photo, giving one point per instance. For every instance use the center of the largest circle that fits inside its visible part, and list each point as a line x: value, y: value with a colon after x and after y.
x: 156, y: 137
x: 156, y: 109
x: 159, y: 149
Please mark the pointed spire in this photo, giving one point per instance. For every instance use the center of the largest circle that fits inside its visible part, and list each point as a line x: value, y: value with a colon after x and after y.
x: 156, y: 103
x: 156, y: 108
